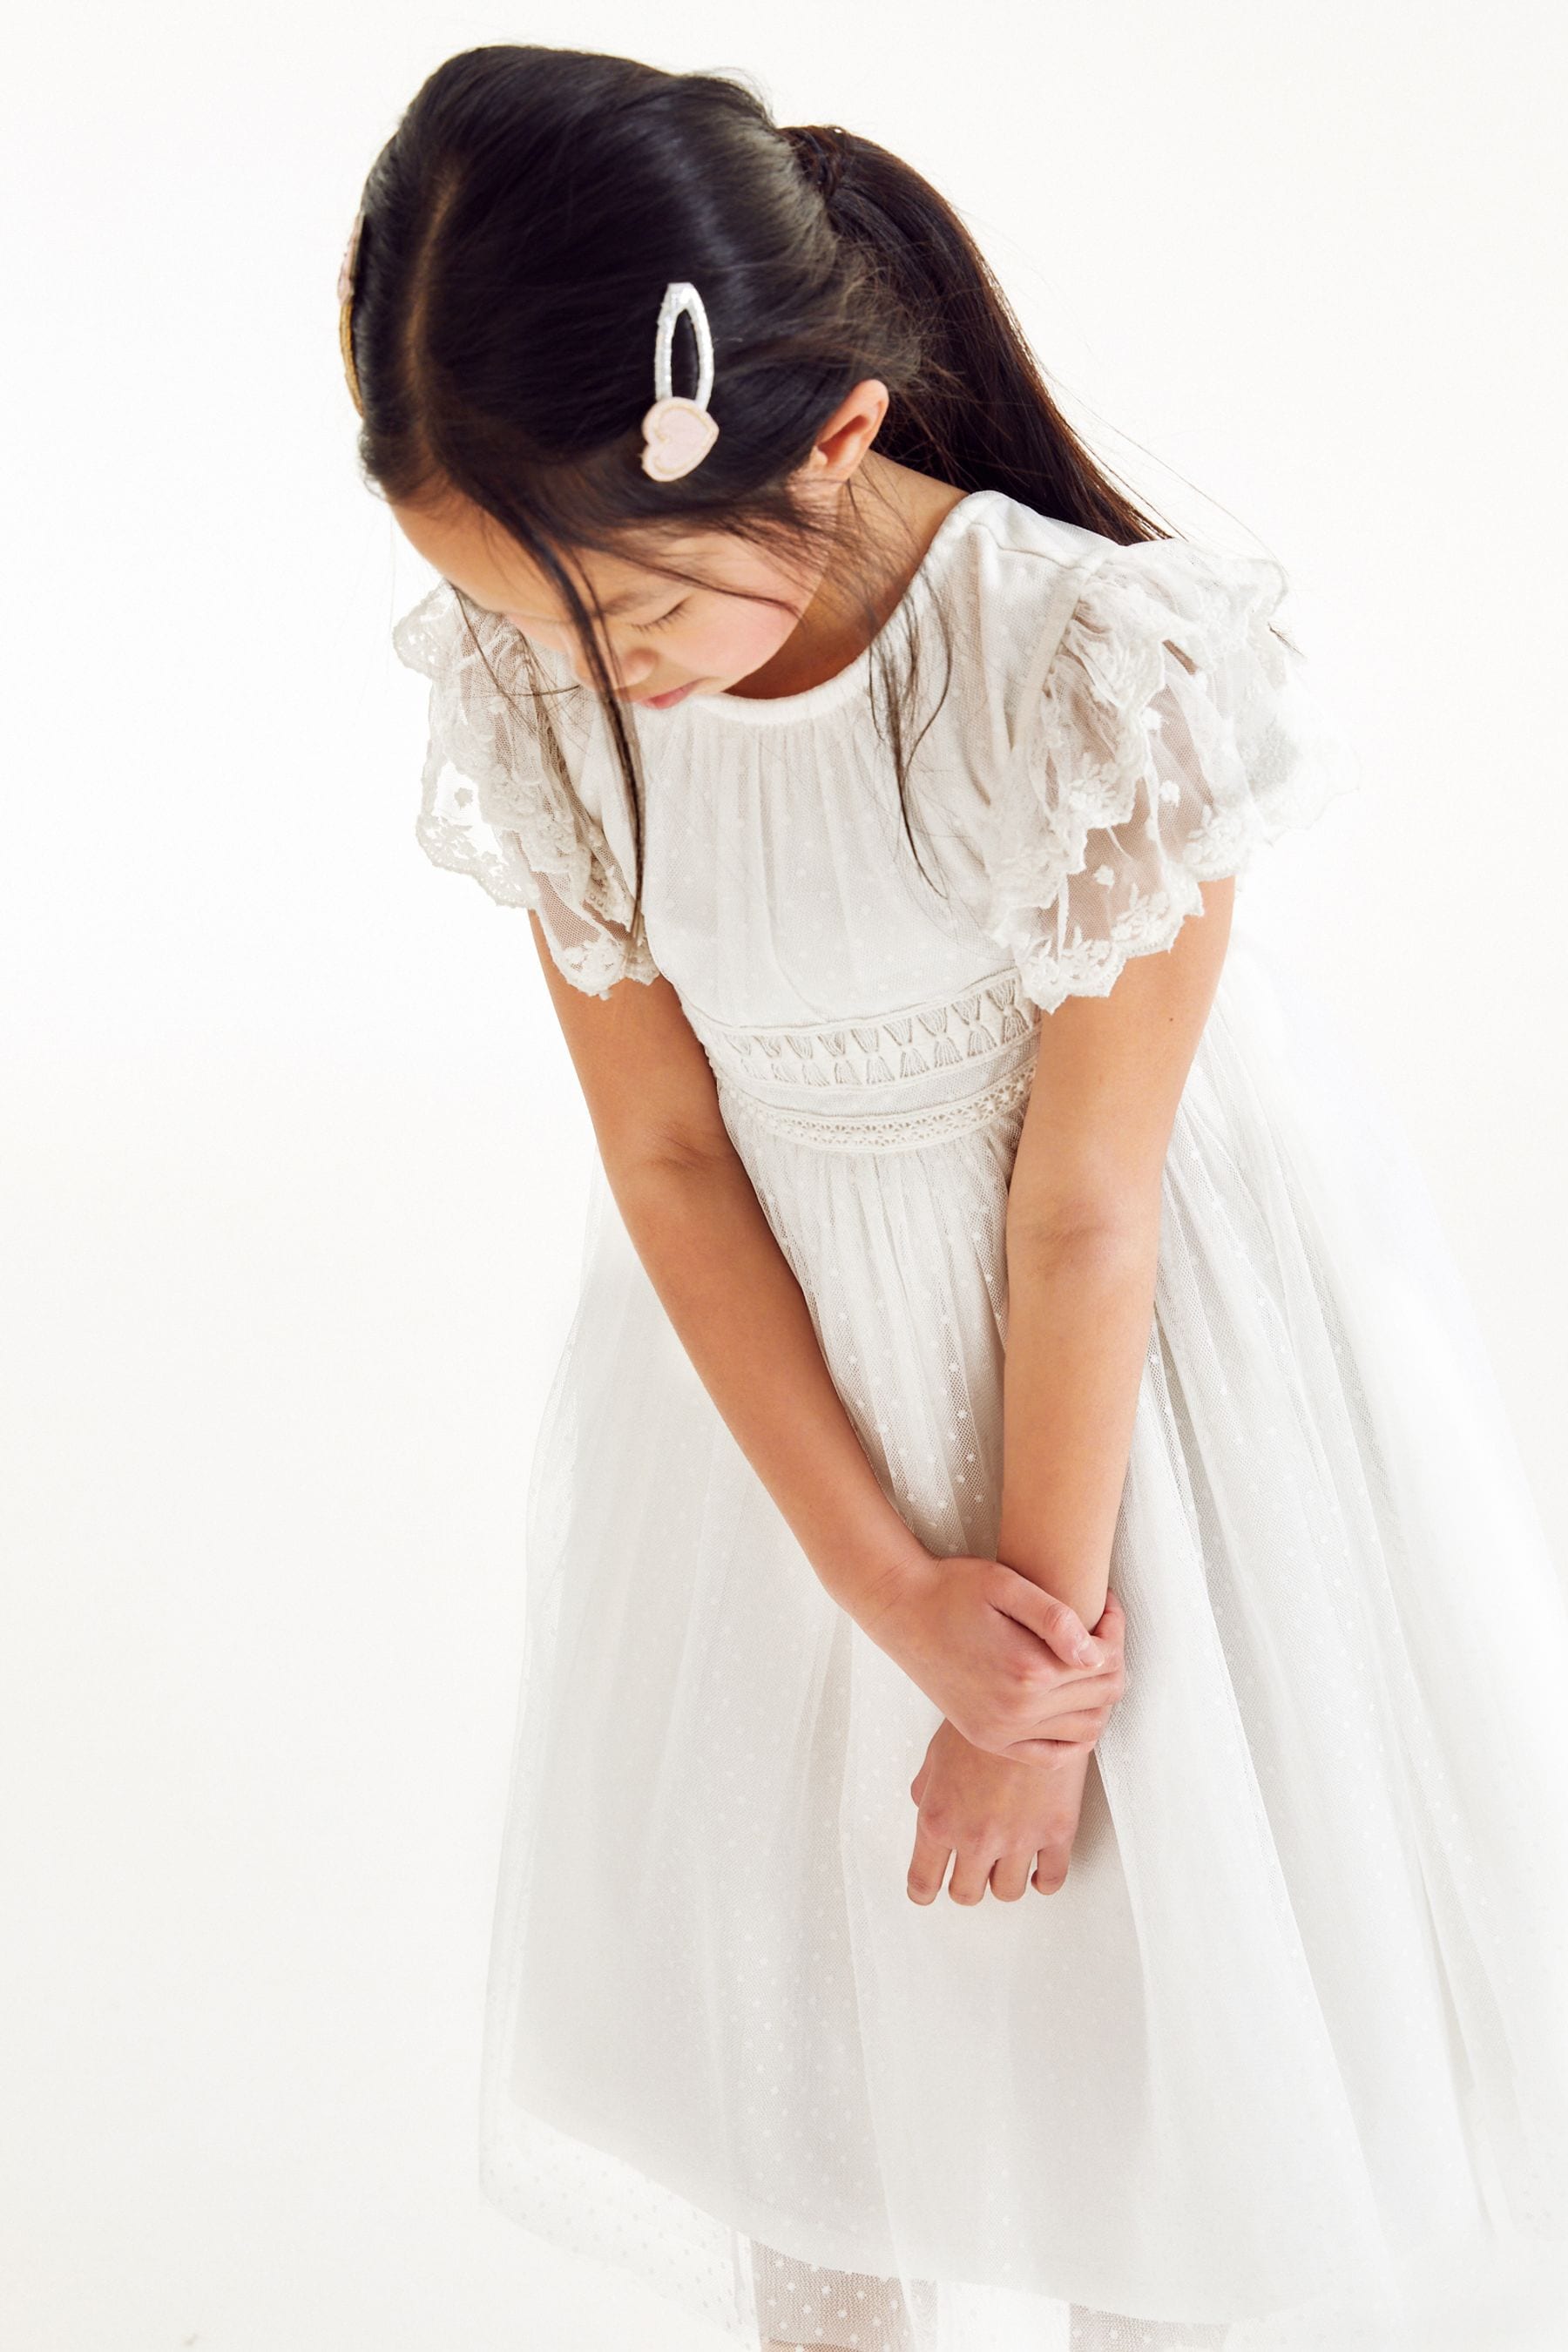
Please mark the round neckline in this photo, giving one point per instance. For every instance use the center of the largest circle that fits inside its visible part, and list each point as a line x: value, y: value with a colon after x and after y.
x: 774, y: 710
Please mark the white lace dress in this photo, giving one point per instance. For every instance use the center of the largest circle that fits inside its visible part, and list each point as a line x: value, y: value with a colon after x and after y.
x: 1285, y: 2063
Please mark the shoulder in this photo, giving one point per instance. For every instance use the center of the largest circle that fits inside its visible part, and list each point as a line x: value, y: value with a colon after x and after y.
x: 523, y: 788
x: 1145, y: 726
x: 1037, y: 583
x: 1032, y: 594
x: 1013, y: 571
x: 1018, y: 537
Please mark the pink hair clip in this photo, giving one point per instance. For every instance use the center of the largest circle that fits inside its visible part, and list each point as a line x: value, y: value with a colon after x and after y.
x: 351, y: 254
x: 677, y: 434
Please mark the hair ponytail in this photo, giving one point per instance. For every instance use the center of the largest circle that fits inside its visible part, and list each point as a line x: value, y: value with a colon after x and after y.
x: 979, y: 414
x: 518, y: 232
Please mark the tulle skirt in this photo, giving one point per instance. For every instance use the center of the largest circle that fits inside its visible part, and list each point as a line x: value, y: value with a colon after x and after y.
x: 1284, y: 2062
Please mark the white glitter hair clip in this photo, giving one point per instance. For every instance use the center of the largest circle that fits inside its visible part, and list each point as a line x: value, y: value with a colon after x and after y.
x: 677, y: 434
x: 351, y: 255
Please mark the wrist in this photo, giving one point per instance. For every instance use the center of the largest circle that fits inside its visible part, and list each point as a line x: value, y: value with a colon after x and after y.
x: 1081, y: 1583
x: 866, y: 1576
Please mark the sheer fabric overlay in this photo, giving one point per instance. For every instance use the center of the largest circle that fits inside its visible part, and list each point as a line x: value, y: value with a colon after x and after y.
x: 1284, y: 2065
x: 501, y: 786
x: 1173, y: 735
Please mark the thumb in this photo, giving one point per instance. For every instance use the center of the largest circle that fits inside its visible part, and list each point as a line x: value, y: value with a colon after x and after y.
x: 1060, y: 1627
x: 1111, y: 1623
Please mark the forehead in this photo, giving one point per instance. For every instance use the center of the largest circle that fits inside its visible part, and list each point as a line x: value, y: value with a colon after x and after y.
x: 477, y: 557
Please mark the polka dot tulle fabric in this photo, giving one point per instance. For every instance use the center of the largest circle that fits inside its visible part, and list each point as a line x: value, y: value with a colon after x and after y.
x: 1283, y: 2067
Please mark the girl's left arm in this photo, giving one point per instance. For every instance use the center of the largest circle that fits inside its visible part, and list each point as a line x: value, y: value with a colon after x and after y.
x: 1083, y: 1233
x: 1082, y: 1239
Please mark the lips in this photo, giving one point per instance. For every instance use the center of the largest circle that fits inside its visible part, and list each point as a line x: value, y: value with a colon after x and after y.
x: 664, y: 701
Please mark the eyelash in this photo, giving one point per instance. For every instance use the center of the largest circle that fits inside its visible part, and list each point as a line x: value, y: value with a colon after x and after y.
x: 665, y: 619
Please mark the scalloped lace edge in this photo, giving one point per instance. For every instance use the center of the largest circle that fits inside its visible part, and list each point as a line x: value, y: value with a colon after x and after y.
x: 1157, y: 617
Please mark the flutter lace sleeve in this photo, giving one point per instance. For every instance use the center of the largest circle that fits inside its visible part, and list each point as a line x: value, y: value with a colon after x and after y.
x: 1171, y: 734
x: 515, y: 801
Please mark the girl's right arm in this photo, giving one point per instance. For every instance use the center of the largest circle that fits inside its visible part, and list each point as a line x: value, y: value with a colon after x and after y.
x: 1007, y: 1663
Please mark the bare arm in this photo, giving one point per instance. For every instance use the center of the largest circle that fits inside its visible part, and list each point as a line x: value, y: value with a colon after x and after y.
x: 694, y: 1218
x: 1003, y: 1660
x: 1083, y: 1230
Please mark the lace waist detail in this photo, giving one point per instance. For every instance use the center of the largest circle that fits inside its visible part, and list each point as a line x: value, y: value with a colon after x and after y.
x: 890, y: 1082
x: 897, y: 1130
x: 945, y: 1034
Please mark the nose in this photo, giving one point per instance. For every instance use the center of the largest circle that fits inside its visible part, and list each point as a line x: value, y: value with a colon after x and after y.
x: 631, y: 674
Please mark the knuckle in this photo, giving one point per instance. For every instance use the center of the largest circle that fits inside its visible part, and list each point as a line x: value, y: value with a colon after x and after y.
x: 1036, y: 1689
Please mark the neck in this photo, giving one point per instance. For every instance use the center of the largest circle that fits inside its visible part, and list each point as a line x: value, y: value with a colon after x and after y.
x: 894, y: 515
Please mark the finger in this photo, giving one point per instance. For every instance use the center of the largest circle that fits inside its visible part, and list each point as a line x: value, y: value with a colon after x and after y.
x: 1050, y: 1871
x: 1061, y: 1629
x: 1088, y: 1694
x: 1083, y: 1726
x: 1077, y: 1694
x: 928, y: 1867
x: 1010, y: 1877
x: 1048, y: 1751
x: 971, y: 1875
x: 1111, y: 1622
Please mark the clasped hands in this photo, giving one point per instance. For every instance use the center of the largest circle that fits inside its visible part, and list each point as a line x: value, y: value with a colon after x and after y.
x: 1026, y: 1689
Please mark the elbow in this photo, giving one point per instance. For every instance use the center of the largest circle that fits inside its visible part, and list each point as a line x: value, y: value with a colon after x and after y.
x: 654, y: 1168
x: 1113, y: 1228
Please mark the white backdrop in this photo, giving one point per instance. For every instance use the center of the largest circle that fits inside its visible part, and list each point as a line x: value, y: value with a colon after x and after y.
x: 294, y: 1161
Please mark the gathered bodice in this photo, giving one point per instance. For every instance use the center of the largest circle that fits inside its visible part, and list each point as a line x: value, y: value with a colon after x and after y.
x: 892, y: 1080
x: 1093, y: 731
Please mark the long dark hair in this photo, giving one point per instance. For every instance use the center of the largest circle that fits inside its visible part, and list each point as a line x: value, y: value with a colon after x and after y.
x: 520, y: 227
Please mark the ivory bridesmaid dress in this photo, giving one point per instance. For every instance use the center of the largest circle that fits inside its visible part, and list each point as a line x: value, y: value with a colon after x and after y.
x: 1285, y: 2062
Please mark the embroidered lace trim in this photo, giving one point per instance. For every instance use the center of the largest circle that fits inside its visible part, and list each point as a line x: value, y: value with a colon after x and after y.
x: 904, y: 1130
x: 944, y: 1032
x: 1174, y: 734
x: 501, y: 791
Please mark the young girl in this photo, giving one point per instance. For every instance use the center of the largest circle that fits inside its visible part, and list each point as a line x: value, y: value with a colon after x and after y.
x: 986, y: 1243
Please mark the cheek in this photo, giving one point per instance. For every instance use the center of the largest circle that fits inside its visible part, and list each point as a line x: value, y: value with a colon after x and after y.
x: 738, y: 639
x: 726, y: 642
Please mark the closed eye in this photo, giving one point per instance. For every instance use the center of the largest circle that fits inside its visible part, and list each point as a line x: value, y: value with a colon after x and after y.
x: 665, y: 619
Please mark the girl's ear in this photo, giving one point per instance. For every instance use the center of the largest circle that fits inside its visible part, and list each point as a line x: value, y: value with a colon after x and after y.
x: 850, y: 432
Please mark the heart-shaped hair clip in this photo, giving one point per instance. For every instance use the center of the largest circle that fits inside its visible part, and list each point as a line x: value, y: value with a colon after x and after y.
x: 677, y: 434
